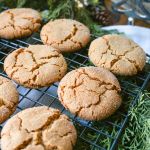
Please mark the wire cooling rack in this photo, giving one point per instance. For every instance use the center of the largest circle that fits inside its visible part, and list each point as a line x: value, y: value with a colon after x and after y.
x: 100, y: 135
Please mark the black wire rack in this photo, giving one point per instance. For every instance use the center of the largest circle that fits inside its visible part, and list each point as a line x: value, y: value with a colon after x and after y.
x: 100, y: 135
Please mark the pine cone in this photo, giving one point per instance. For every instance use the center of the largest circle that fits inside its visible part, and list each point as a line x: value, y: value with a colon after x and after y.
x: 104, y: 17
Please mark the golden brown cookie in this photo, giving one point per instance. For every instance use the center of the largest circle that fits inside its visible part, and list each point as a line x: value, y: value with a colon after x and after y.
x: 9, y: 98
x: 65, y: 34
x: 19, y: 22
x: 35, y: 66
x: 38, y: 128
x: 91, y: 93
x: 118, y: 54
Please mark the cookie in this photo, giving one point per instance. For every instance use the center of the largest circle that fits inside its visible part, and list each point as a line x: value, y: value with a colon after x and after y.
x: 118, y: 54
x: 38, y: 128
x: 35, y: 66
x: 19, y: 22
x: 65, y: 34
x: 9, y: 98
x: 92, y: 93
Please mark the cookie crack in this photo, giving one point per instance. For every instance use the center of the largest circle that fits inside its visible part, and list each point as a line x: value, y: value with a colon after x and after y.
x: 73, y: 87
x: 2, y: 82
x: 66, y: 134
x: 37, y: 135
x: 33, y: 21
x: 3, y: 103
x: 101, y: 82
x: 46, y: 38
x: 51, y: 56
x: 112, y: 50
x: 69, y: 37
x: 37, y: 138
x: 99, y: 94
x: 23, y: 28
x: 9, y: 23
x: 75, y: 84
x: 119, y: 57
x: 73, y: 33
x: 6, y: 26
x: 90, y: 105
x: 49, y: 122
x: 20, y: 125
x: 38, y: 65
x: 12, y: 19
x: 32, y: 80
x: 15, y: 67
x: 15, y: 64
x: 24, y: 144
x: 114, y: 61
x: 14, y: 70
x: 107, y: 87
x: 77, y: 42
x: 32, y: 55
x: 20, y: 50
x: 134, y: 63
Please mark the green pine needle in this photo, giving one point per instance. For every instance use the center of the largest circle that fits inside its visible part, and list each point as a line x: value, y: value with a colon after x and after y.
x: 137, y: 134
x: 63, y: 9
x: 21, y: 3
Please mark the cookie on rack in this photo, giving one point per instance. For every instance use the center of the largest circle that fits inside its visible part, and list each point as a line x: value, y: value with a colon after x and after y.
x: 19, y: 22
x: 38, y: 128
x: 65, y: 34
x: 35, y: 66
x: 118, y: 54
x: 9, y: 98
x: 92, y: 93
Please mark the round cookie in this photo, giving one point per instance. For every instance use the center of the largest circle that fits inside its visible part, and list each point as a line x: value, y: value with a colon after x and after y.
x: 65, y: 34
x: 92, y: 93
x: 38, y: 128
x: 118, y: 54
x: 19, y: 22
x: 35, y: 66
x: 9, y: 98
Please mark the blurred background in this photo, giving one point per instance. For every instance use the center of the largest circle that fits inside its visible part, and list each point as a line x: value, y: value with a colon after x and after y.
x: 101, y: 12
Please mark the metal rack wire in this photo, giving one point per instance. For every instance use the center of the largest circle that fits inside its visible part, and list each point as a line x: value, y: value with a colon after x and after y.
x: 91, y: 135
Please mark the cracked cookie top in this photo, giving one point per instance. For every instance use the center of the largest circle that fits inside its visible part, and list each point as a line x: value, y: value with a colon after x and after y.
x: 19, y: 22
x: 91, y: 93
x: 38, y: 128
x: 118, y: 54
x: 9, y: 98
x: 65, y: 34
x: 35, y: 66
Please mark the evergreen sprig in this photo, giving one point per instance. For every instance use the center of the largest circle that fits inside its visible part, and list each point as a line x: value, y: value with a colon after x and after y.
x: 59, y: 9
x: 137, y: 133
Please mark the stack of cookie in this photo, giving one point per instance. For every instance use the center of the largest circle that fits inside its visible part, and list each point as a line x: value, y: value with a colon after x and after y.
x: 91, y: 93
